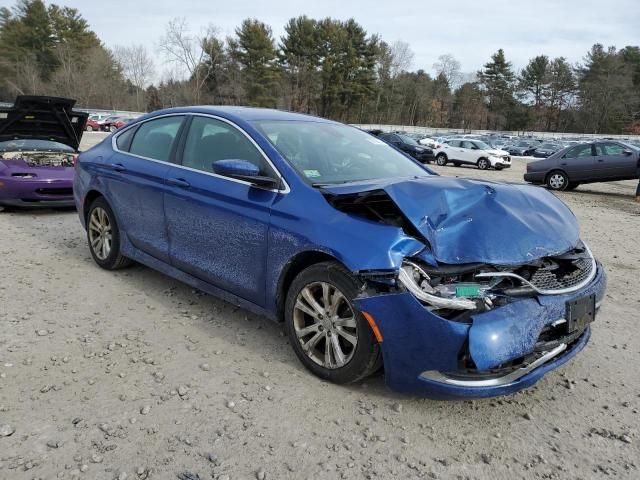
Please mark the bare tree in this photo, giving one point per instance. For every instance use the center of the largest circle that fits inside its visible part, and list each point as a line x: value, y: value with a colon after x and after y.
x: 401, y: 57
x: 448, y: 66
x: 137, y: 67
x: 195, y: 54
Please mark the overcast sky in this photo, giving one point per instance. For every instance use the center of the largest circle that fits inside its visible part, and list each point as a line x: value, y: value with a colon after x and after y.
x: 471, y: 30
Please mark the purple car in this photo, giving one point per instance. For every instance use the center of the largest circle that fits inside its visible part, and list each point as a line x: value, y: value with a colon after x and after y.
x: 39, y: 140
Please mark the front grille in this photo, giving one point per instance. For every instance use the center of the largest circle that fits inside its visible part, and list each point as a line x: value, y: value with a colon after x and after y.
x: 555, y: 277
x: 55, y: 191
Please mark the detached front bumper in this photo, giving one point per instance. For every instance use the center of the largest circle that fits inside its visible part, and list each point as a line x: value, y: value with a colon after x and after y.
x: 422, y: 352
x: 22, y: 192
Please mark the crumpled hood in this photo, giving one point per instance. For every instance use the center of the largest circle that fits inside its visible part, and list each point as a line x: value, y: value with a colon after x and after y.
x: 467, y: 221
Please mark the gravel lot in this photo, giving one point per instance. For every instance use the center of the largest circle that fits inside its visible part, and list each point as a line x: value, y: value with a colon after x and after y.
x: 133, y: 375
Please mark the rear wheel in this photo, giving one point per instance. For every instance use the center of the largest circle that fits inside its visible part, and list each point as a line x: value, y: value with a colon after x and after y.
x: 104, y: 237
x: 557, y: 180
x: 441, y: 159
x: 328, y: 334
x: 483, y: 164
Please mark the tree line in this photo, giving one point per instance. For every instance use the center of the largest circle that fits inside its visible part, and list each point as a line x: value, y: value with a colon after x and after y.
x: 326, y: 67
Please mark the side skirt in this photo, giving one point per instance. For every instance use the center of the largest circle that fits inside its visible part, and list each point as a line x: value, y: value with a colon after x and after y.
x: 128, y: 250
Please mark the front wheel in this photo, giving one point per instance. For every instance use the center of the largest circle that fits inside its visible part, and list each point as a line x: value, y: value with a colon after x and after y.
x: 441, y: 160
x: 483, y: 164
x: 104, y: 237
x: 328, y: 334
x: 89, y: 128
x: 557, y: 180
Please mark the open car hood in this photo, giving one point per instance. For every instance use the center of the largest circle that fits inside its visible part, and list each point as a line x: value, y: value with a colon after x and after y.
x: 43, y: 118
x: 468, y: 221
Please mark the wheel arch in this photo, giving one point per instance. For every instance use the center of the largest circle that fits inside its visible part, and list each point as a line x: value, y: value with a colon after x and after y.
x: 297, y: 264
x: 89, y: 198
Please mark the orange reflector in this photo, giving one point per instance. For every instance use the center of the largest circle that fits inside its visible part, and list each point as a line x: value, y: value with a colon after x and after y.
x: 374, y: 327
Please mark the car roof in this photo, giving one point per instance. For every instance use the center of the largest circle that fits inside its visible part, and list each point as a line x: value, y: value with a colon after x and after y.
x: 247, y: 114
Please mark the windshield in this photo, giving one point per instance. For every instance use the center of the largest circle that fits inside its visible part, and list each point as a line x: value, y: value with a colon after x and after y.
x: 33, y: 145
x: 408, y: 139
x: 327, y: 153
x: 482, y: 145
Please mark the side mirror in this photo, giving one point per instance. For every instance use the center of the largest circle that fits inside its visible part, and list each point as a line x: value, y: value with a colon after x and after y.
x: 243, y: 170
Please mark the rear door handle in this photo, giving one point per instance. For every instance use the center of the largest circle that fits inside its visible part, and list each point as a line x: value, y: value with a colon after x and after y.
x: 118, y: 167
x: 178, y: 182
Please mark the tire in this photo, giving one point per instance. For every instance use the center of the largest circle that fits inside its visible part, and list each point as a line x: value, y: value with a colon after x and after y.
x: 359, y: 360
x: 441, y: 160
x: 557, y: 180
x: 109, y: 257
x: 89, y: 128
x: 573, y: 185
x: 483, y: 164
x: 112, y: 128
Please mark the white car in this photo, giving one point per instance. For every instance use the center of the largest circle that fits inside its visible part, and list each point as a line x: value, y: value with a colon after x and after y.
x: 428, y: 142
x: 464, y: 151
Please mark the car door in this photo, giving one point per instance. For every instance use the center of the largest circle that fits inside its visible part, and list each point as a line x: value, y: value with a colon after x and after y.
x: 579, y: 163
x: 135, y: 182
x: 613, y: 163
x: 469, y: 152
x: 218, y: 226
x: 454, y: 150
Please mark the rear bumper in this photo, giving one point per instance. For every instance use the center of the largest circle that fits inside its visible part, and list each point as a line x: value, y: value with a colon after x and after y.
x: 419, y: 347
x: 534, y: 177
x: 36, y: 193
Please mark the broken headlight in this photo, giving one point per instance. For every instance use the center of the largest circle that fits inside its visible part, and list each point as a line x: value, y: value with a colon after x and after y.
x: 445, y: 290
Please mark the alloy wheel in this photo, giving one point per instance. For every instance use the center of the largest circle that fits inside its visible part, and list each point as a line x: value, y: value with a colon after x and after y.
x: 325, y: 325
x: 483, y: 164
x: 100, y: 234
x: 441, y: 160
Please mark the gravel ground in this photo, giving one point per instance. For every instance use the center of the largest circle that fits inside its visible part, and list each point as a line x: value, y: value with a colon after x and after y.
x: 133, y: 375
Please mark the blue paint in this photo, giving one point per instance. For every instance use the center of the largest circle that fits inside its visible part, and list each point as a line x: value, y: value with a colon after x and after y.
x: 236, y: 241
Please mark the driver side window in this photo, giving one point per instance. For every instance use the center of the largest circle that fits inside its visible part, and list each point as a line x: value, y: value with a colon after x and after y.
x: 210, y: 140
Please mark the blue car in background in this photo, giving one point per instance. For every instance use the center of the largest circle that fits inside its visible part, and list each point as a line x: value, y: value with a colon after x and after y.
x: 456, y: 287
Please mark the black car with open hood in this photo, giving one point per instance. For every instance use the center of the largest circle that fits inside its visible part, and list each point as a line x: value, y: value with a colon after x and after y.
x: 43, y: 118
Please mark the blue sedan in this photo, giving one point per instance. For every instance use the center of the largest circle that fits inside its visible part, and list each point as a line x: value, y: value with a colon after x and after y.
x: 456, y: 287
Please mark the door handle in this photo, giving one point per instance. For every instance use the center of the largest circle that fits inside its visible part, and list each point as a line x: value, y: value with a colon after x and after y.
x: 601, y: 159
x: 178, y: 182
x: 118, y: 167
x: 564, y: 163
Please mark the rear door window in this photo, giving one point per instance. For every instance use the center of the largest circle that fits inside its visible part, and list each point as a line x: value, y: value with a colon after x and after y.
x: 580, y: 151
x: 155, y: 139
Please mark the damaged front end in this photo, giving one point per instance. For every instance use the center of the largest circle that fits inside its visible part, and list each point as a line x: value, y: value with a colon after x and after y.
x: 491, y: 326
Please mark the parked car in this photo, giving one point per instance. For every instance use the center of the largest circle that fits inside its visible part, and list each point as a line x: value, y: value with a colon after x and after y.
x: 522, y: 149
x: 39, y: 140
x: 460, y: 151
x: 586, y: 163
x: 121, y: 122
x: 92, y: 125
x: 408, y: 145
x: 108, y: 124
x: 545, y: 150
x: 459, y: 287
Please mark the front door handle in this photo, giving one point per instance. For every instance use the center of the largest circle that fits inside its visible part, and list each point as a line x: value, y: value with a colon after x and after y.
x: 601, y: 159
x: 118, y: 167
x: 178, y: 182
x: 563, y: 164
